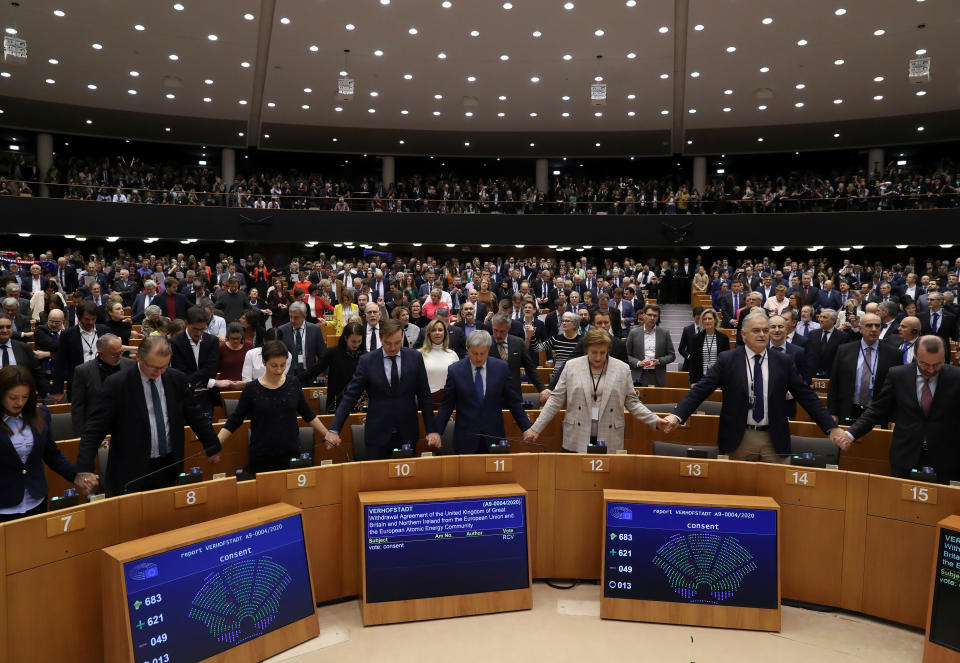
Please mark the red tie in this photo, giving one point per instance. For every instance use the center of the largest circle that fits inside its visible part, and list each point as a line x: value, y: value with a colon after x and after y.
x: 926, y: 398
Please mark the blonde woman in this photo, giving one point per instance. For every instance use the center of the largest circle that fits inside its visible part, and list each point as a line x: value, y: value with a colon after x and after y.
x: 437, y: 357
x: 346, y: 303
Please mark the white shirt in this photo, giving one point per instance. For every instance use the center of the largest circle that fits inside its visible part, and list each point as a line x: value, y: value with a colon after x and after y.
x: 253, y: 367
x: 650, y: 343
x: 873, y: 366
x: 373, y: 332
x: 8, y: 348
x: 437, y: 361
x: 217, y: 326
x: 22, y: 440
x: 388, y: 365
x: 196, y: 358
x: 148, y: 396
x: 765, y: 369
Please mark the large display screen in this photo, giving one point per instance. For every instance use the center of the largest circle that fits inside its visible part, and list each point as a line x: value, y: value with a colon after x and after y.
x: 945, y: 612
x: 190, y: 603
x: 691, y: 554
x: 429, y: 549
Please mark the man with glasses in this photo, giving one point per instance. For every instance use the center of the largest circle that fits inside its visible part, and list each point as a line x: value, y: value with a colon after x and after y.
x: 859, y: 370
x: 921, y: 399
x: 89, y: 377
x: 303, y: 339
x: 144, y: 410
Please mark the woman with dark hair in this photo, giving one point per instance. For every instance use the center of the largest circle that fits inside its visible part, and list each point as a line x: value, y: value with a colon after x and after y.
x: 339, y: 362
x: 706, y: 345
x: 253, y: 366
x: 251, y: 323
x: 233, y: 353
x: 277, y: 301
x: 272, y: 403
x: 27, y: 443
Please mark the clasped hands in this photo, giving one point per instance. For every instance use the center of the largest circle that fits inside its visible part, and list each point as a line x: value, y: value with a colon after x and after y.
x: 669, y: 423
x: 840, y: 438
x: 86, y: 482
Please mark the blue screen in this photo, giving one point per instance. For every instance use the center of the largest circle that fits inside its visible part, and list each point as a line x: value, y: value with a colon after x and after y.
x: 428, y: 549
x: 190, y: 603
x: 687, y: 554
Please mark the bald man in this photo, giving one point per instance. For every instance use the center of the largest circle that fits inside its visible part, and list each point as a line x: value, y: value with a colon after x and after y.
x: 906, y: 340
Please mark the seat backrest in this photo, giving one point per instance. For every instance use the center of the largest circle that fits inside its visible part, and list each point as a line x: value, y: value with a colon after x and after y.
x: 671, y: 449
x: 661, y: 407
x: 306, y: 440
x: 322, y: 400
x: 102, y: 454
x: 229, y: 405
x: 826, y: 452
x: 447, y: 438
x: 710, y: 407
x: 61, y: 425
x: 358, y: 431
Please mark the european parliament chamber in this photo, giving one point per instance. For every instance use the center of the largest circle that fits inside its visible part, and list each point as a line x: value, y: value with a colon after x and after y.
x: 403, y: 330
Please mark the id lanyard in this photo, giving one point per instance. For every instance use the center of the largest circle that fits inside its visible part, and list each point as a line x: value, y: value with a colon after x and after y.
x: 763, y: 358
x: 595, y: 410
x: 871, y: 368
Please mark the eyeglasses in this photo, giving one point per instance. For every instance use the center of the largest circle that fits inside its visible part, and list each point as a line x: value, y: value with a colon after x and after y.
x: 932, y: 367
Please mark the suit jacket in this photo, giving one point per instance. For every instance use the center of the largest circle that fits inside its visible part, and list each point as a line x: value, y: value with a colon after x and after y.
x: 663, y: 351
x: 27, y: 286
x: 947, y: 329
x: 812, y: 297
x: 820, y: 356
x: 24, y: 356
x: 799, y: 357
x: 730, y: 375
x: 476, y: 416
x: 686, y: 338
x: 574, y: 392
x: 841, y: 393
x: 616, y: 324
x: 87, y: 387
x: 389, y: 407
x: 313, y: 343
x: 181, y: 304
x: 628, y: 316
x: 695, y: 362
x: 140, y: 305
x: 69, y: 280
x: 70, y: 356
x: 551, y: 324
x: 126, y: 290
x: 121, y: 412
x: 22, y: 323
x: 799, y: 339
x: 517, y: 358
x: 184, y: 361
x: 897, y: 402
x: 829, y: 299
x: 44, y: 340
x: 17, y: 477
x: 727, y: 308
x: 546, y: 291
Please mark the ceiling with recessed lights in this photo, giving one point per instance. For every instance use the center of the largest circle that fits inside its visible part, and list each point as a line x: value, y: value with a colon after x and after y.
x: 680, y: 74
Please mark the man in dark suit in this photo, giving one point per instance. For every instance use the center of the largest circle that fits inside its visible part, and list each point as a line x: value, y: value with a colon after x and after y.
x: 513, y: 350
x: 171, y: 302
x: 66, y: 275
x: 34, y: 281
x: 457, y: 340
x: 618, y: 348
x: 905, y: 341
x: 22, y: 327
x: 937, y: 321
x: 395, y: 380
x: 921, y: 399
x: 822, y: 344
x: 809, y: 293
x: 478, y: 388
x: 124, y: 286
x: 18, y: 353
x: 625, y: 310
x: 730, y: 303
x: 146, y: 298
x: 790, y: 316
x: 686, y: 337
x: 859, y: 370
x: 828, y: 297
x: 505, y: 307
x: 144, y: 410
x: 755, y: 382
x: 77, y: 345
x: 544, y: 290
x: 480, y: 307
x: 196, y: 354
x: 468, y: 321
x: 778, y: 343
x: 89, y: 376
x: 303, y: 339
x: 552, y: 321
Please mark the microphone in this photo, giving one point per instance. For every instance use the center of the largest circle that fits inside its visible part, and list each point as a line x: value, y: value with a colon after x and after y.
x: 126, y: 486
x: 498, y: 438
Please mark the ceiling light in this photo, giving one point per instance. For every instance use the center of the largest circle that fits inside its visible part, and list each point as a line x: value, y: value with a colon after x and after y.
x: 305, y: 107
x: 598, y: 78
x: 401, y: 141
x: 564, y: 114
x: 838, y: 101
x: 731, y: 49
x: 764, y: 70
x: 131, y: 91
x: 802, y: 42
x: 921, y: 51
x: 598, y: 32
x: 840, y: 12
x: 402, y: 112
x: 504, y: 57
x: 53, y: 61
x: 242, y: 102
x: 762, y: 107
x: 240, y: 133
x: 533, y: 114
x: 178, y: 6
x: 631, y: 113
x: 532, y: 144
x: 466, y: 143
x: 59, y: 13
x: 879, y: 33
x: 413, y: 31
x: 760, y: 140
x: 567, y: 56
x: 208, y: 81
x: 698, y: 27
x: 371, y: 110
x: 50, y: 81
x: 139, y: 28
x: 799, y: 104
x: 4, y: 74
x: 878, y: 79
x: 408, y: 76
x: 568, y: 6
x: 800, y: 86
x: 89, y: 121
x: 174, y: 57
x: 438, y: 96
x: 436, y: 113
x: 248, y: 16
x: 508, y: 6
x: 728, y: 91
x: 167, y: 129
x: 338, y: 109
x: 836, y: 135
x: 212, y: 37
x: 692, y: 111
x: 664, y: 76
x: 664, y: 112
x: 245, y: 64
x: 878, y: 97
x: 96, y: 46
x: 378, y: 52
x: 446, y: 4
x: 767, y: 21
x: 631, y: 55
x: 207, y: 100
x: 374, y: 93
x: 350, y: 26
x: 630, y: 3
x: 534, y: 79
x: 920, y: 128
x: 442, y: 56
x: 663, y: 30
x: 631, y: 97
x: 468, y: 114
x: 501, y: 114
x: 471, y: 79
x: 536, y: 33
x: 921, y: 93
x: 727, y: 109
x: 285, y: 20
x: 314, y: 48
x: 170, y: 95
x: 502, y: 98
x: 308, y: 90
x: 91, y: 86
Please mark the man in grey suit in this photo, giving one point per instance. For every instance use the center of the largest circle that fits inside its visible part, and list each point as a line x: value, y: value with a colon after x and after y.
x: 650, y: 349
x: 303, y: 339
x: 88, y: 379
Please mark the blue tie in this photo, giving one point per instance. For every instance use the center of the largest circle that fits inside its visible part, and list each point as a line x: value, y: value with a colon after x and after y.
x: 757, y: 388
x: 905, y: 348
x: 936, y: 319
x: 478, y: 384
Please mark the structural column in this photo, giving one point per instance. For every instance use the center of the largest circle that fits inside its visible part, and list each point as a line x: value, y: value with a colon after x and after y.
x: 699, y: 173
x: 875, y: 162
x: 228, y: 166
x: 388, y: 175
x: 44, y: 160
x: 543, y: 182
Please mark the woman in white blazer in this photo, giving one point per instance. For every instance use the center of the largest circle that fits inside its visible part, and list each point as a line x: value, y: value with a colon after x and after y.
x: 595, y: 389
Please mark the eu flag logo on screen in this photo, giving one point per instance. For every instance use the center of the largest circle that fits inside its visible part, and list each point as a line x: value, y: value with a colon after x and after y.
x: 621, y: 512
x: 144, y: 571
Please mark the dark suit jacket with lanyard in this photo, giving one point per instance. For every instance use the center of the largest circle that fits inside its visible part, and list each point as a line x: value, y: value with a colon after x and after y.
x: 198, y: 375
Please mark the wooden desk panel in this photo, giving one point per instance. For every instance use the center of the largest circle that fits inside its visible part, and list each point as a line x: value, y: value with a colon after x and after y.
x: 305, y: 487
x: 246, y: 495
x: 578, y: 514
x: 524, y: 469
x: 431, y: 472
x: 323, y: 527
x: 671, y: 394
x: 700, y: 429
x: 235, y: 453
x: 543, y: 554
x: 886, y: 499
x: 811, y: 568
x: 56, y: 484
x: 156, y: 511
x: 898, y: 561
x: 718, y: 477
x: 551, y: 437
x: 824, y: 488
x: 576, y: 472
